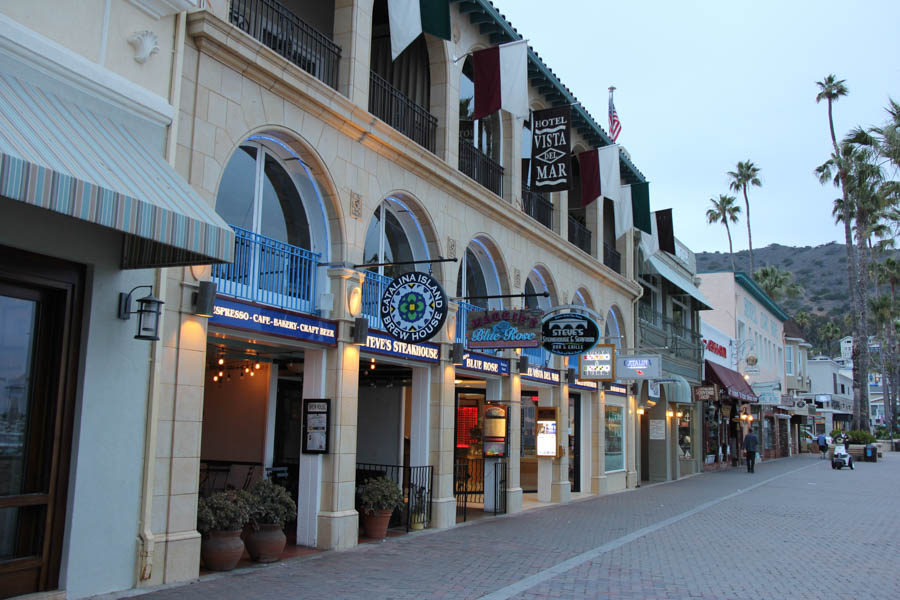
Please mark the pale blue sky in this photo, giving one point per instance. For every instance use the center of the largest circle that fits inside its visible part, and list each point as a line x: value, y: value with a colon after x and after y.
x: 702, y: 85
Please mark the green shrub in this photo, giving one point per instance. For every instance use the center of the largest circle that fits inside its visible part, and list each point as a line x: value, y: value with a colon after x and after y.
x: 270, y: 504
x: 858, y: 436
x: 223, y: 511
x: 380, y: 493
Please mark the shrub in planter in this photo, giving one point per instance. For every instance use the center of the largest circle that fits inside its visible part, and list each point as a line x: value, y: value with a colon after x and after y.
x: 858, y: 436
x: 271, y: 506
x: 220, y: 518
x: 378, y: 497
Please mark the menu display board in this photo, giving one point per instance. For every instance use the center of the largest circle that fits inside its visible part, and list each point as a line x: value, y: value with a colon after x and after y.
x: 546, y: 431
x: 494, y: 430
x: 316, y: 415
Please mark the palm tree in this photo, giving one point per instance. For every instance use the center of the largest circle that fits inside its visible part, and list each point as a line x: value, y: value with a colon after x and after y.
x: 884, y: 314
x: 724, y: 210
x: 888, y: 272
x: 746, y: 174
x: 777, y: 283
x: 829, y: 332
x: 803, y: 320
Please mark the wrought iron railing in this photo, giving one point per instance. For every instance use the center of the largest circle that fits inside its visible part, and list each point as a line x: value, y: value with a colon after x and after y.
x: 416, y: 483
x: 372, y: 290
x: 537, y: 206
x: 612, y: 258
x: 537, y: 357
x: 394, y: 108
x: 462, y: 315
x: 277, y: 27
x: 500, y: 487
x: 270, y: 272
x: 579, y: 234
x: 474, y: 163
x: 659, y: 331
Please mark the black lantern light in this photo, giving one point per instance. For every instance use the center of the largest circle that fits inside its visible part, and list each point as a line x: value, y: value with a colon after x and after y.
x: 204, y: 299
x: 148, y: 312
x: 523, y: 364
x: 456, y: 353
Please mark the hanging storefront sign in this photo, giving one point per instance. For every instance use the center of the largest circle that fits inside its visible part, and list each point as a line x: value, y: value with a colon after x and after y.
x: 543, y: 375
x: 385, y: 344
x: 580, y: 384
x: 545, y: 431
x: 504, y: 329
x: 494, y: 437
x: 639, y: 367
x: 250, y: 317
x: 616, y: 388
x: 653, y: 388
x: 316, y: 414
x: 413, y: 307
x: 705, y: 393
x: 598, y: 364
x: 484, y: 364
x: 551, y: 157
x: 570, y: 333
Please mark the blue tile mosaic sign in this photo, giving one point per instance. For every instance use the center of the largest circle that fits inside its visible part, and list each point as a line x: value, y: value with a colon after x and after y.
x: 262, y: 319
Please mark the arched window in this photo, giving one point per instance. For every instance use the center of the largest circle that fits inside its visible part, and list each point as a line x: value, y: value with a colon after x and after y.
x: 535, y: 284
x: 611, y: 331
x: 485, y: 133
x: 394, y: 235
x: 478, y: 276
x: 410, y: 73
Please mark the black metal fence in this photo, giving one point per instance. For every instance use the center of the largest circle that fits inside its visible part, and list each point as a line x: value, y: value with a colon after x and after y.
x: 468, y: 486
x: 417, y: 485
x: 277, y: 27
x: 500, y: 487
x: 612, y: 258
x: 579, y: 234
x: 537, y: 206
x: 474, y: 163
x: 394, y: 108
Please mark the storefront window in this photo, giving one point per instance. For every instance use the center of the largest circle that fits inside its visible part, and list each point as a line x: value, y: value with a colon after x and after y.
x: 615, y: 448
x: 769, y: 433
x: 394, y: 235
x: 528, y: 447
x: 712, y: 431
x: 685, y: 436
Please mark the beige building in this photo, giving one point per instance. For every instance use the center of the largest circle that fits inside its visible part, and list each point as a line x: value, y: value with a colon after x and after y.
x: 337, y: 170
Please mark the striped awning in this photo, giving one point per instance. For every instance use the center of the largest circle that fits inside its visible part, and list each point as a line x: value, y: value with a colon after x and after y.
x: 63, y: 157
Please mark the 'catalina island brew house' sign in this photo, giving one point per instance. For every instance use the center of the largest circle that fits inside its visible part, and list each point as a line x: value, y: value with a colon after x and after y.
x: 504, y: 329
x: 413, y: 307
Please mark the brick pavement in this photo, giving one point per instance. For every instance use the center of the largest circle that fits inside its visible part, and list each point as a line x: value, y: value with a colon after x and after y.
x: 774, y: 534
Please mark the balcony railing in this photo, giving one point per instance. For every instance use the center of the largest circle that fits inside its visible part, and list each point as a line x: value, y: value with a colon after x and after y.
x: 537, y: 357
x: 612, y: 258
x: 462, y: 315
x: 536, y: 206
x: 281, y: 30
x: 394, y: 108
x: 479, y: 167
x: 372, y: 290
x: 659, y: 331
x: 579, y: 234
x: 269, y: 272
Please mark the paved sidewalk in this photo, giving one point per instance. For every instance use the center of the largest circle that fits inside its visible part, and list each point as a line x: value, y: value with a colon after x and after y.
x: 794, y: 529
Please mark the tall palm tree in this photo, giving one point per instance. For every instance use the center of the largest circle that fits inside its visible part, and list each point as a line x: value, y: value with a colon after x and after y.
x: 888, y: 272
x: 829, y: 332
x: 746, y: 174
x: 802, y: 319
x: 776, y: 283
x: 724, y: 210
x: 884, y: 314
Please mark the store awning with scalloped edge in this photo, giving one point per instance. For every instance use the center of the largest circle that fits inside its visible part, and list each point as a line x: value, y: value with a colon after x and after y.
x: 57, y: 155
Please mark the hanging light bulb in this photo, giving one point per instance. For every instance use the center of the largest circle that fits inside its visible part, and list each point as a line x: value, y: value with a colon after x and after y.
x: 221, y: 373
x: 246, y: 369
x: 257, y: 366
x: 221, y: 361
x: 252, y: 373
x: 215, y: 377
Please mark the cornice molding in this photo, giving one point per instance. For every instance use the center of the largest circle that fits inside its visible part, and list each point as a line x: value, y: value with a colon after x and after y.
x: 163, y: 8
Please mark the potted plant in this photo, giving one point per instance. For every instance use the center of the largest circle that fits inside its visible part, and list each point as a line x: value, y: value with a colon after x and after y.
x: 378, y: 497
x: 271, y: 506
x: 220, y: 518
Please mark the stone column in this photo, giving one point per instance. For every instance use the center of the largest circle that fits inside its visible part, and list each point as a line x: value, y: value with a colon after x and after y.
x: 561, y: 488
x: 561, y: 214
x: 309, y: 493
x: 442, y: 425
x: 512, y: 391
x: 353, y: 33
x: 593, y: 215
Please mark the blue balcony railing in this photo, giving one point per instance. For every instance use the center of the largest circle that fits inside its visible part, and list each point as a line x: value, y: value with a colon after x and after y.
x: 461, y: 315
x: 537, y: 357
x: 269, y: 272
x: 373, y: 289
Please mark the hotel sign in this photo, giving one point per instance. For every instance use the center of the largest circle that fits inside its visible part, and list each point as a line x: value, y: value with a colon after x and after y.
x: 260, y: 319
x: 504, y: 329
x: 598, y: 364
x: 413, y: 307
x: 381, y: 343
x: 484, y: 364
x: 551, y: 157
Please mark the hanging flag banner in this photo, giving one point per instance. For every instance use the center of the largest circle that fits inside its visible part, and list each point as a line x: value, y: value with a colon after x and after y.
x: 501, y: 79
x: 413, y: 307
x: 504, y: 329
x: 408, y: 19
x: 551, y: 140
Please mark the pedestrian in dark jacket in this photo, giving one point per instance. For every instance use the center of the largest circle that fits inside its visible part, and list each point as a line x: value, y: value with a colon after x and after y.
x: 751, y: 442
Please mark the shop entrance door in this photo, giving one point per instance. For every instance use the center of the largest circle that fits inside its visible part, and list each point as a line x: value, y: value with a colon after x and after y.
x: 38, y: 321
x: 574, y: 442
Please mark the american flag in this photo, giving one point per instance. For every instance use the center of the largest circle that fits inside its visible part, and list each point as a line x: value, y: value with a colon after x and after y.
x: 615, y: 127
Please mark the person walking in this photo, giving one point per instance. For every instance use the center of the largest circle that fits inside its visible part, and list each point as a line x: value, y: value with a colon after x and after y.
x: 751, y: 442
x: 823, y: 444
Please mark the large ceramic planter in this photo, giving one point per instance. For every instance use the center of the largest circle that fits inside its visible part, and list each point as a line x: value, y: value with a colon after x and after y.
x: 266, y: 544
x: 221, y: 550
x: 375, y: 524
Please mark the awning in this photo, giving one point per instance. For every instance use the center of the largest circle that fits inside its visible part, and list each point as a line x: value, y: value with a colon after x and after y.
x: 678, y: 389
x: 731, y: 381
x: 63, y: 157
x: 678, y: 280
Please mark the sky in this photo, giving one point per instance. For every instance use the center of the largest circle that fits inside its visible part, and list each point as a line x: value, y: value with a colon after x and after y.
x: 703, y: 85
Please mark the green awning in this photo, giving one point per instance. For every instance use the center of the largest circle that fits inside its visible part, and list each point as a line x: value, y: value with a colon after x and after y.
x: 640, y: 206
x: 60, y: 156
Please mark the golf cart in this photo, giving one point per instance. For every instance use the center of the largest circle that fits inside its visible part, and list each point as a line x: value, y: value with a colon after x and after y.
x: 841, y: 457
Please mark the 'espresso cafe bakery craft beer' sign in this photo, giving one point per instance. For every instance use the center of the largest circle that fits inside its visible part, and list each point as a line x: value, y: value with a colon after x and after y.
x: 550, y: 149
x: 504, y: 329
x: 413, y: 307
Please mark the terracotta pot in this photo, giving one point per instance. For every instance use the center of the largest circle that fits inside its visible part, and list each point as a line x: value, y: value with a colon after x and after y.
x: 267, y: 544
x: 221, y: 550
x: 375, y: 524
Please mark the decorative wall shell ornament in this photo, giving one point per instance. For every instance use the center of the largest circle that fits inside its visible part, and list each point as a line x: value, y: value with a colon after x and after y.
x: 145, y: 44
